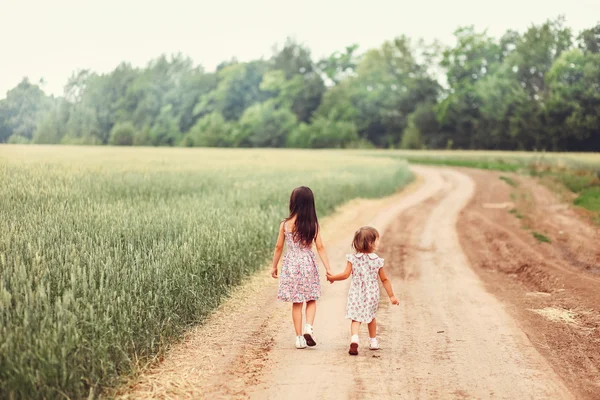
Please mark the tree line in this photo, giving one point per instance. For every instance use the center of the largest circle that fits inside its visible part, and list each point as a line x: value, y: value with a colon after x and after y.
x: 539, y: 89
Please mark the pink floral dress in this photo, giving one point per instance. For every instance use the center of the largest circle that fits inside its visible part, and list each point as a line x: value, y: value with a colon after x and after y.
x: 363, y: 296
x: 299, y: 278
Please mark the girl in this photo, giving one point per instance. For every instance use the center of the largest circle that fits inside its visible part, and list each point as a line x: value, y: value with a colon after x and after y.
x: 363, y: 297
x: 299, y: 281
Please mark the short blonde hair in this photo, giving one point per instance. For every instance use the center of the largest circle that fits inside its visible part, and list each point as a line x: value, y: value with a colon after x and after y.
x: 364, y: 239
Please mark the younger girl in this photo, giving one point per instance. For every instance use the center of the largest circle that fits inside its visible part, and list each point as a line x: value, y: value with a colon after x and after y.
x: 363, y: 297
x: 299, y: 281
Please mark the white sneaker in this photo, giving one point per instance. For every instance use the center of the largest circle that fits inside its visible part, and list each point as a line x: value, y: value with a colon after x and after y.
x: 309, y: 335
x: 374, y: 344
x: 300, y: 342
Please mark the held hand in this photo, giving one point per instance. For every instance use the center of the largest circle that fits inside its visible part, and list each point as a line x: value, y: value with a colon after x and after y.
x: 394, y: 300
x: 274, y: 272
x: 329, y: 277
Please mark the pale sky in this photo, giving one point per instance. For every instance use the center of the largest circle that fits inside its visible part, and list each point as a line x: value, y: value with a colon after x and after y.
x: 51, y: 38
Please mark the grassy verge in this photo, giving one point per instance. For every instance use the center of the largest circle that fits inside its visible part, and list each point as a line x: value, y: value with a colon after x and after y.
x: 496, y: 165
x: 584, y: 184
x: 589, y: 198
x: 579, y: 173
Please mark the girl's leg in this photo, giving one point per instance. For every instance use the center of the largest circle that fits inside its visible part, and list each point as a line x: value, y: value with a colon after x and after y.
x: 297, y: 317
x: 372, y: 329
x: 311, y: 310
x: 354, y: 328
x: 374, y: 344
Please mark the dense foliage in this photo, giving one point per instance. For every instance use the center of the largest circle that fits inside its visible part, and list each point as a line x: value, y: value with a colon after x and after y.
x: 534, y: 90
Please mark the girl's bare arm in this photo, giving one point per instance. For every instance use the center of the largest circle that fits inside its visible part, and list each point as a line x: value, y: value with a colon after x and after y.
x: 387, y: 285
x: 342, y: 275
x: 322, y: 252
x: 278, y: 251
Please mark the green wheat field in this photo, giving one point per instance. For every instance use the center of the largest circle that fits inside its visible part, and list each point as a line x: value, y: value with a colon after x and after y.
x: 108, y: 254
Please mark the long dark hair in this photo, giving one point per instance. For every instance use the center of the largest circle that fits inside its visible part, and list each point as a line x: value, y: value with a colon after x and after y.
x: 302, y: 206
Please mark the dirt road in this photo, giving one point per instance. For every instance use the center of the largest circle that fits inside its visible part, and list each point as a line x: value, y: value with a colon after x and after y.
x: 449, y: 338
x: 550, y: 287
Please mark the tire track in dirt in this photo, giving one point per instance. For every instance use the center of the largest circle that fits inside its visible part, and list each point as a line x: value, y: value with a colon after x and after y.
x: 552, y: 296
x: 453, y: 339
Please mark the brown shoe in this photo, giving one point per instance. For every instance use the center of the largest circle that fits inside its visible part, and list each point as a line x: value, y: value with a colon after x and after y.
x: 353, y: 349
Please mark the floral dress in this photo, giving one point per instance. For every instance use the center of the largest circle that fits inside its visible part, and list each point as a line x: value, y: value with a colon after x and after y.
x: 363, y: 296
x: 299, y: 278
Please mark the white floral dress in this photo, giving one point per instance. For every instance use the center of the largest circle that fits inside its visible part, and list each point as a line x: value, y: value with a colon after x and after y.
x: 299, y: 279
x: 363, y: 297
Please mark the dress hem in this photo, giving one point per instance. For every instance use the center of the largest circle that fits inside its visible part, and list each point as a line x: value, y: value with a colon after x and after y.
x: 288, y: 300
x: 362, y: 322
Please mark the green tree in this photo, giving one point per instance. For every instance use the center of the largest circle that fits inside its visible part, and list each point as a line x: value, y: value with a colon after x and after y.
x: 195, y: 87
x: 475, y: 56
x: 122, y: 134
x: 238, y: 88
x: 210, y: 131
x: 535, y: 53
x: 284, y: 92
x: 411, y: 138
x: 5, y: 128
x: 323, y: 133
x: 339, y: 102
x: 501, y: 99
x: 589, y: 40
x: 82, y: 126
x: 165, y: 130
x: 20, y: 112
x: 296, y: 63
x: 142, y: 137
x: 263, y: 125
x: 340, y: 65
x: 384, y: 89
x: 96, y: 99
x: 162, y: 83
x: 18, y: 139
x: 391, y: 83
x: 573, y: 106
x: 50, y: 129
x: 423, y: 121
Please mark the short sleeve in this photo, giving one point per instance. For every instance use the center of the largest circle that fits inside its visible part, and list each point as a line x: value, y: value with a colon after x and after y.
x: 350, y: 258
x: 379, y: 262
